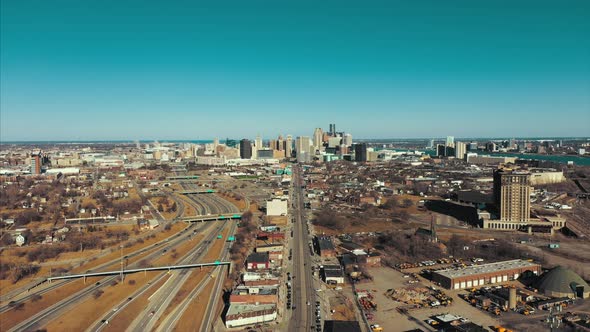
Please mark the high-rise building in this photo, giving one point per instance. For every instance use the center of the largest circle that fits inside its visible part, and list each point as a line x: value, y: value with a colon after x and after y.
x: 347, y: 140
x: 332, y: 129
x: 431, y: 144
x: 245, y: 149
x: 302, y: 145
x: 460, y: 150
x: 36, y: 163
x: 289, y: 147
x: 441, y: 150
x: 512, y: 192
x: 450, y: 141
x: 317, y: 138
x: 258, y: 142
x: 472, y: 146
x: 491, y: 147
x: 360, y: 152
x: 280, y: 144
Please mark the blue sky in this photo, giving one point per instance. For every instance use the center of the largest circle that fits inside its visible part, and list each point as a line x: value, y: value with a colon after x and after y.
x: 90, y: 70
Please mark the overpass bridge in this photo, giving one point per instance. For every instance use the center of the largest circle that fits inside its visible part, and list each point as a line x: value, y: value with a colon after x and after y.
x: 145, y: 269
x: 213, y: 217
x: 189, y: 192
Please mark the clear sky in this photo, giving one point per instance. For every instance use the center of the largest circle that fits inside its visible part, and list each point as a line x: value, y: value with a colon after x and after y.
x: 91, y: 70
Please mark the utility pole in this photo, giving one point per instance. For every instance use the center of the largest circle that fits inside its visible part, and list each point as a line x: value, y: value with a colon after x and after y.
x: 121, y: 246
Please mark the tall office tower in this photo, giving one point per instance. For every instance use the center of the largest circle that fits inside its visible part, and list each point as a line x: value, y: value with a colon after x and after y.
x: 431, y: 144
x: 460, y: 150
x: 289, y: 146
x: 280, y: 143
x: 258, y: 142
x: 215, y: 143
x: 512, y: 192
x: 347, y: 140
x: 332, y: 129
x: 512, y: 143
x: 245, y: 149
x: 302, y: 145
x: 272, y: 144
x: 317, y: 138
x: 450, y: 141
x: 36, y: 163
x: 360, y: 152
x: 491, y: 146
x: 440, y: 150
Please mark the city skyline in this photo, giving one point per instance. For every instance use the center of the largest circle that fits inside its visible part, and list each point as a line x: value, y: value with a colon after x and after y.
x: 384, y: 70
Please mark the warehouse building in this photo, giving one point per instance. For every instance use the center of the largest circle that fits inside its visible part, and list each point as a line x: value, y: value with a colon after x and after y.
x: 485, y: 274
x: 246, y: 314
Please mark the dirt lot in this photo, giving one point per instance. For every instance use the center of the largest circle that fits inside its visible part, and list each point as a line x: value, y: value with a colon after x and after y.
x: 387, y: 315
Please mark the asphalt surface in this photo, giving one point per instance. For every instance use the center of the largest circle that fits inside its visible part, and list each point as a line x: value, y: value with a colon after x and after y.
x: 43, y: 317
x: 303, y: 289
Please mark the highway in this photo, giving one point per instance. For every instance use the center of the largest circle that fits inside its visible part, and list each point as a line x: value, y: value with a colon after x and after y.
x: 43, y: 317
x: 43, y: 289
x: 303, y: 289
x: 160, y: 301
x: 162, y: 297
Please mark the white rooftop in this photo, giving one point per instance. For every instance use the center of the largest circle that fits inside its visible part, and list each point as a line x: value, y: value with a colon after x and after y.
x: 485, y: 268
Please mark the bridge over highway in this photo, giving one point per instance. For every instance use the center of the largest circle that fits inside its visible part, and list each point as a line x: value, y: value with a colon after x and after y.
x: 189, y: 192
x: 213, y: 217
x: 146, y: 269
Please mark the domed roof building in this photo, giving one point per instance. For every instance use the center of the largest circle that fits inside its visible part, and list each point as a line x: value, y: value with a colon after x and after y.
x: 563, y: 282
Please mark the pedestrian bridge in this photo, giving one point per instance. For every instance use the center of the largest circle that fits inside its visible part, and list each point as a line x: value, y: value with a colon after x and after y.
x: 145, y: 269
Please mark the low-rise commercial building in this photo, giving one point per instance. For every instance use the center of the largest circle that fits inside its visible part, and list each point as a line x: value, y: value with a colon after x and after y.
x: 332, y: 274
x: 480, y: 275
x: 254, y: 295
x: 325, y: 246
x: 246, y: 314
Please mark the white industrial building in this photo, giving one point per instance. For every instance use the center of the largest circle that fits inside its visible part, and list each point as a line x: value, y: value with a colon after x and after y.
x: 247, y: 314
x: 277, y: 207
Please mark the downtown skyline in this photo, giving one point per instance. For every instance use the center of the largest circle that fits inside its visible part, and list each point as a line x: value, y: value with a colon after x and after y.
x: 384, y: 70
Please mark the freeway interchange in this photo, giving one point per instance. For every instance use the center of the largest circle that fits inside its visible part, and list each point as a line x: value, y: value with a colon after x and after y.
x: 162, y: 297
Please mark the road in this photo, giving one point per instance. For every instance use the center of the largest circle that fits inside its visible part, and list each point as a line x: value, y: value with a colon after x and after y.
x: 146, y: 320
x: 43, y: 317
x: 303, y: 289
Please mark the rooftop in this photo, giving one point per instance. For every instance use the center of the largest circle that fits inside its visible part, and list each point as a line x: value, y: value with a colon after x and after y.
x: 258, y: 257
x: 486, y: 268
x: 237, y: 309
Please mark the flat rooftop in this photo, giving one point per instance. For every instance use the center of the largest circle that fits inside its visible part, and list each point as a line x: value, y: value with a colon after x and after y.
x: 486, y: 268
x: 236, y: 309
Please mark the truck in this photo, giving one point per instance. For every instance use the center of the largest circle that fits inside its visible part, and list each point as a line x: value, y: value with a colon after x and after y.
x: 376, y: 328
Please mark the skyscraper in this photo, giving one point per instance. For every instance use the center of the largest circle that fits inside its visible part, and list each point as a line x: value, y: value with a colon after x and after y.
x: 512, y: 192
x: 347, y: 139
x: 360, y: 152
x: 460, y: 150
x: 317, y: 138
x: 280, y: 144
x: 302, y: 145
x: 289, y: 146
x: 36, y: 163
x: 450, y: 141
x: 332, y: 129
x: 245, y: 149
